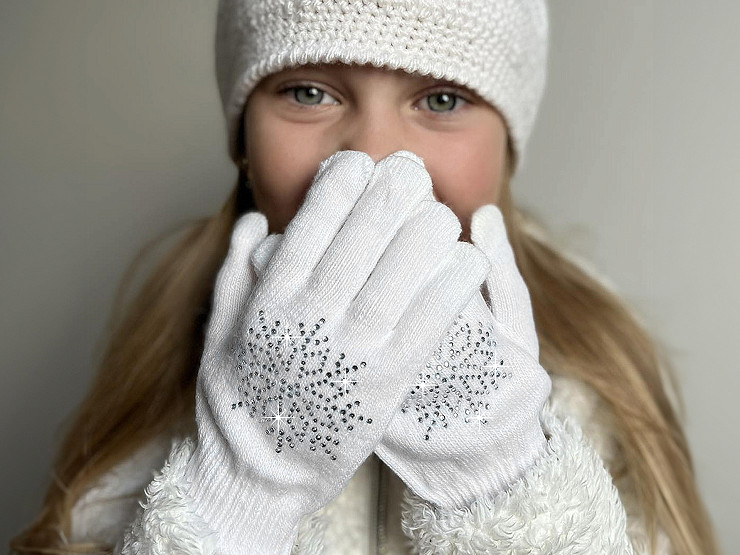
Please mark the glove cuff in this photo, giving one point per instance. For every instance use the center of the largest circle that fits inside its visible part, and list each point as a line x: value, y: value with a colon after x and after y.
x: 471, y: 468
x: 486, y: 475
x: 248, y: 516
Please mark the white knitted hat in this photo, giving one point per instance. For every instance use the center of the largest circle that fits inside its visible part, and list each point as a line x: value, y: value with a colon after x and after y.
x: 498, y: 48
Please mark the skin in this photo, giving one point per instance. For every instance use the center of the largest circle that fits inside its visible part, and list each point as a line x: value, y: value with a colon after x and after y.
x: 461, y: 137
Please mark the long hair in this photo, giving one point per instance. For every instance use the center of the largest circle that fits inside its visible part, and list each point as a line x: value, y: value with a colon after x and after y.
x: 145, y: 382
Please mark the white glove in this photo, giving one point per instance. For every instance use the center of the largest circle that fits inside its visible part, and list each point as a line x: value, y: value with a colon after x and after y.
x: 470, y: 427
x: 302, y: 372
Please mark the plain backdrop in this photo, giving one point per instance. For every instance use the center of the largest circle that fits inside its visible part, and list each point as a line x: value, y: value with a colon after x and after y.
x: 111, y: 132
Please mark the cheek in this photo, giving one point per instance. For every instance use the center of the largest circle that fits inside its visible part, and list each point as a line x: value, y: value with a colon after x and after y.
x: 469, y: 180
x: 465, y: 187
x: 281, y: 170
x: 471, y: 172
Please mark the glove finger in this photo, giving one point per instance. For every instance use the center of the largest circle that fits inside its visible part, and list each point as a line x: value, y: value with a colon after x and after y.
x: 413, y: 255
x: 263, y: 253
x: 396, y: 187
x: 439, y: 302
x: 235, y: 280
x: 338, y: 184
x: 508, y: 294
x: 266, y: 249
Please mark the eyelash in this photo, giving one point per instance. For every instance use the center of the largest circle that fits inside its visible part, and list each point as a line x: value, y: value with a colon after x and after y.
x: 446, y: 90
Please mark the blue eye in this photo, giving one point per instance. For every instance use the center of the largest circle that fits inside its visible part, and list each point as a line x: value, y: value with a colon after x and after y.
x: 313, y: 94
x: 444, y: 98
x: 441, y: 102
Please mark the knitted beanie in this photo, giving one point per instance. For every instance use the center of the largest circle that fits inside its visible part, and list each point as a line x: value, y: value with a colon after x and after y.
x: 497, y: 48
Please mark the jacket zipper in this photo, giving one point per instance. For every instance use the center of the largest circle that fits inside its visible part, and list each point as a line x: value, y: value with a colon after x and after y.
x: 382, y: 509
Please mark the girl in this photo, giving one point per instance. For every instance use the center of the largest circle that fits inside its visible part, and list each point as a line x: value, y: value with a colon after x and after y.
x: 370, y: 348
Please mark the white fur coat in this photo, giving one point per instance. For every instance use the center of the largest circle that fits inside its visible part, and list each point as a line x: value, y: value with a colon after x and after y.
x: 567, y: 504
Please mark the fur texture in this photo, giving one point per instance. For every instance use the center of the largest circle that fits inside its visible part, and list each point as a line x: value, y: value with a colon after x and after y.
x: 165, y: 523
x: 565, y: 504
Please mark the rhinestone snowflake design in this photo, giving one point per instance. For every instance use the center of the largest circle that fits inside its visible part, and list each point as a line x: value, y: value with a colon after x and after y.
x: 291, y: 380
x: 458, y: 379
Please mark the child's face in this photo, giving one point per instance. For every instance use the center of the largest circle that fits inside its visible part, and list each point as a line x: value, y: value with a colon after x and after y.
x: 378, y: 111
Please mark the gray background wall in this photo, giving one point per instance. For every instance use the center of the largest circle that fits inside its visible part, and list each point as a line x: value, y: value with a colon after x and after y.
x: 111, y: 133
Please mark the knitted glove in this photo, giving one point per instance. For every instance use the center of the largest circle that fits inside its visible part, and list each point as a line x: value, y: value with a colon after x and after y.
x: 470, y: 427
x: 300, y: 376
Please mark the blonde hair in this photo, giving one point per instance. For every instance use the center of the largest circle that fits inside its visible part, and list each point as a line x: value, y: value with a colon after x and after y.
x: 144, y: 385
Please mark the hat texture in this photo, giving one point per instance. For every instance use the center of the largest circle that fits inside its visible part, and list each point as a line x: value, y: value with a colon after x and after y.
x: 497, y: 48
